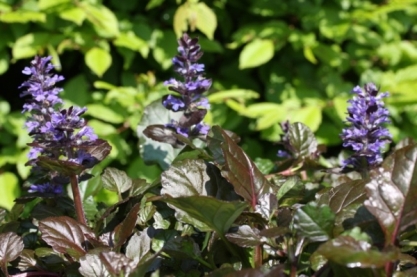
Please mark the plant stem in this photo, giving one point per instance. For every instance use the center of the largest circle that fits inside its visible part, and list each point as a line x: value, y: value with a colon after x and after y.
x: 258, y: 256
x: 77, y: 200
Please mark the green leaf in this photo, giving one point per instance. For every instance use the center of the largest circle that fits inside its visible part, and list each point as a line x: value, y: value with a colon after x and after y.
x: 104, y: 113
x: 76, y: 15
x: 392, y: 193
x: 131, y: 41
x: 256, y: 53
x: 153, y: 4
x: 116, y: 180
x: 4, y: 62
x: 349, y: 252
x: 291, y: 191
x: 98, y: 60
x: 28, y: 45
x: 314, y: 222
x: 240, y: 94
x: 309, y: 55
x: 309, y: 116
x: 180, y: 20
x: 9, y: 189
x: 206, y: 20
x: 48, y: 4
x: 22, y: 16
x: 218, y: 215
x: 103, y: 19
x: 238, y: 168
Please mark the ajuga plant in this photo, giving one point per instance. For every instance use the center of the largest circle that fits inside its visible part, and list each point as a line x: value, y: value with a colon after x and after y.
x: 213, y: 211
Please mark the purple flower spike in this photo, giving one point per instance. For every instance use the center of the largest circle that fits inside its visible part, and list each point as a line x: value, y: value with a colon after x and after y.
x: 58, y: 134
x: 365, y: 134
x: 194, y: 84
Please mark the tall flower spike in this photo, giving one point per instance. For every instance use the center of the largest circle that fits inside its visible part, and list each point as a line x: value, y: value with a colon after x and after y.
x: 190, y: 90
x: 59, y: 135
x: 365, y: 134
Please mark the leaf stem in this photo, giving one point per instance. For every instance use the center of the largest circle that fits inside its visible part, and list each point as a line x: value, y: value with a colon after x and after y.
x: 77, y: 200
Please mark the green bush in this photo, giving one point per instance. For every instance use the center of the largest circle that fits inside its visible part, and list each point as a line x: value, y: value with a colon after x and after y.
x: 269, y: 60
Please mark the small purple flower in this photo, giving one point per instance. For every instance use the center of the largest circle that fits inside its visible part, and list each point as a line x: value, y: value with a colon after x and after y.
x: 173, y: 103
x: 365, y: 135
x: 46, y: 188
x: 201, y: 129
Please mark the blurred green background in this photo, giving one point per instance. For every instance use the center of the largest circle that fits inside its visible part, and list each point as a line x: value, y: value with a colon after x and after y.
x: 270, y: 61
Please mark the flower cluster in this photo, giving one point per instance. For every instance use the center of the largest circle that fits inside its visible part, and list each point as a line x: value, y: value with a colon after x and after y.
x: 58, y: 134
x: 366, y: 135
x: 190, y: 99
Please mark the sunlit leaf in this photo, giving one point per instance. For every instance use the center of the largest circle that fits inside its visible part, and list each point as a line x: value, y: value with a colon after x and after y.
x: 11, y: 245
x: 98, y: 60
x: 256, y: 53
x: 116, y: 180
x: 65, y: 235
x: 392, y: 193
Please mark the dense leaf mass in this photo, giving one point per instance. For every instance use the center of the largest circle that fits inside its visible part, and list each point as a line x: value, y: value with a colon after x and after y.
x: 183, y: 199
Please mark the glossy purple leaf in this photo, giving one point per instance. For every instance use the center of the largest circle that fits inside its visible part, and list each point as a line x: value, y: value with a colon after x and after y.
x: 116, y: 263
x: 246, y: 236
x: 116, y: 180
x: 138, y: 246
x: 125, y: 229
x: 314, y: 222
x: 92, y: 266
x: 65, y: 235
x: 218, y: 215
x: 392, y: 193
x: 11, y: 246
x: 345, y: 200
x: 238, y: 168
x: 301, y: 140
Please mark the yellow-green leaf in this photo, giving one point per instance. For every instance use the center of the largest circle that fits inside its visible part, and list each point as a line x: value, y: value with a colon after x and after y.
x: 98, y: 60
x: 21, y: 16
x: 9, y: 189
x: 206, y: 20
x: 180, y: 20
x: 75, y: 15
x: 256, y: 52
x: 131, y: 41
x: 104, y: 21
x: 309, y: 55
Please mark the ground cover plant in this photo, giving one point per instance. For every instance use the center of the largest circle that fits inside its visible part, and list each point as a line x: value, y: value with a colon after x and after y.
x: 213, y: 211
